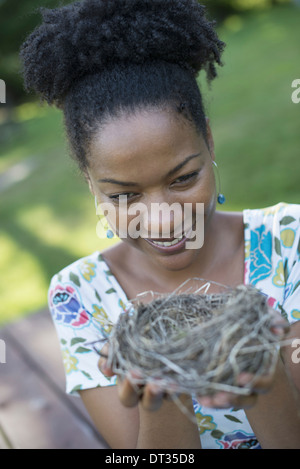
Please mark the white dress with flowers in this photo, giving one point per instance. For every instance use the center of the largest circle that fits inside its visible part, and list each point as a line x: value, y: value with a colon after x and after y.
x: 85, y: 299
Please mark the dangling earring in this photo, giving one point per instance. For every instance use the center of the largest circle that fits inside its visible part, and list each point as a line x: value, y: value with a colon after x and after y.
x: 109, y: 232
x: 221, y: 197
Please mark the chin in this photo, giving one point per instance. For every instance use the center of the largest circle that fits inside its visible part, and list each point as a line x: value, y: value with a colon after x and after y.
x: 176, y: 262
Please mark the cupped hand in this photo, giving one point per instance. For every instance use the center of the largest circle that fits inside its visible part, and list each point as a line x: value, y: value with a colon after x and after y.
x: 225, y: 400
x: 150, y: 396
x: 257, y: 385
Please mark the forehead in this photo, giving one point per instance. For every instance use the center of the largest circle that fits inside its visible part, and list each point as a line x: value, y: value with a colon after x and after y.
x: 145, y: 137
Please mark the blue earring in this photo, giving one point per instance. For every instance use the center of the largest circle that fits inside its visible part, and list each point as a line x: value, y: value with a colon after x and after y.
x: 221, y: 197
x: 109, y: 233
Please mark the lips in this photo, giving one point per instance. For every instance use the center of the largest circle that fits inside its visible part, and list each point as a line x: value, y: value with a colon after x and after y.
x: 168, y: 246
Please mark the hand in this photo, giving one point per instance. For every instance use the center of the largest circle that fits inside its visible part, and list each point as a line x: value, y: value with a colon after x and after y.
x: 260, y: 385
x: 225, y: 400
x: 149, y: 396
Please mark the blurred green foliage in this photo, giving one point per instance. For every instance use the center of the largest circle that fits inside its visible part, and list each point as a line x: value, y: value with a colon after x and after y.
x: 19, y: 18
x: 48, y: 218
x: 220, y: 9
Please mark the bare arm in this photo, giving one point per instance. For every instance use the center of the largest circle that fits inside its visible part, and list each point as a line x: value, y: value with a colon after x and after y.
x: 126, y: 421
x: 141, y: 426
x: 168, y: 427
x: 273, y: 410
x: 117, y: 424
x: 275, y: 418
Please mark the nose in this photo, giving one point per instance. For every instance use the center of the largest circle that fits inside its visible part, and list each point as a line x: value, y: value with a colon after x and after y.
x: 163, y: 220
x: 154, y: 218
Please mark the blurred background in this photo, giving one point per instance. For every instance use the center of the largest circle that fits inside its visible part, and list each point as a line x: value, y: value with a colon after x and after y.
x: 47, y: 215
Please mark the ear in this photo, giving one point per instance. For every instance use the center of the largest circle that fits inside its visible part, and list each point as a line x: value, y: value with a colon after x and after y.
x: 210, y: 140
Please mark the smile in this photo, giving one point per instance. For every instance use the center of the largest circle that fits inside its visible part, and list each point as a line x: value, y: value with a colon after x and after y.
x: 168, y: 246
x: 167, y: 243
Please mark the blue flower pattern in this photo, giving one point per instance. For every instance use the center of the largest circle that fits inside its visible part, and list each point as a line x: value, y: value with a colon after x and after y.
x: 261, y: 254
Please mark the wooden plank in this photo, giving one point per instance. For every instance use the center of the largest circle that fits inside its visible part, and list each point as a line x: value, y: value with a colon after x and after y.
x: 36, y: 335
x: 33, y: 415
x: 32, y: 391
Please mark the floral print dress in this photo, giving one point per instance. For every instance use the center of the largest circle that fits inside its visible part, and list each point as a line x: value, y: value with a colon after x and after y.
x: 85, y: 300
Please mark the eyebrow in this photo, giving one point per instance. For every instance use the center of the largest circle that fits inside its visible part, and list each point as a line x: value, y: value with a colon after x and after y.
x: 183, y: 163
x: 170, y: 173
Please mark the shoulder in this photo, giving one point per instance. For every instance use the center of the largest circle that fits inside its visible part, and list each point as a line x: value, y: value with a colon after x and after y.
x: 275, y: 230
x: 272, y: 254
x: 86, y: 286
x: 233, y: 224
x: 281, y: 214
x: 81, y: 271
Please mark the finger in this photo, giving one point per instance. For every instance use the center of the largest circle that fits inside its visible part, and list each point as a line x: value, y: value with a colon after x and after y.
x: 259, y: 385
x: 226, y: 400
x: 104, y: 351
x: 245, y: 402
x: 279, y: 325
x: 205, y: 401
x: 104, y: 368
x: 220, y: 400
x: 102, y: 363
x: 152, y: 397
x: 128, y: 394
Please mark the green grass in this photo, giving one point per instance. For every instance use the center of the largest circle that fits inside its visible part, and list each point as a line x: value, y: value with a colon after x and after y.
x: 48, y: 219
x: 254, y: 121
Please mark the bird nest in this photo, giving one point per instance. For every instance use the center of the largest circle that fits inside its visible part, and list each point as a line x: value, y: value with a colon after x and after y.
x: 195, y: 340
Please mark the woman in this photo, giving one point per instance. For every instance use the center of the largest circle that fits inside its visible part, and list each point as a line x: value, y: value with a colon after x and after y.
x: 124, y: 74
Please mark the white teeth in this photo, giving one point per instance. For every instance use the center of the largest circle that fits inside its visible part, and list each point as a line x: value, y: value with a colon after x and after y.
x: 167, y: 243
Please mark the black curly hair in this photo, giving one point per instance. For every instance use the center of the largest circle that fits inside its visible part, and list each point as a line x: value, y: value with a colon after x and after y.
x: 97, y: 58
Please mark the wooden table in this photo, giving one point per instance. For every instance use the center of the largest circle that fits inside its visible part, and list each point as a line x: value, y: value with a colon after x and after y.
x: 35, y: 411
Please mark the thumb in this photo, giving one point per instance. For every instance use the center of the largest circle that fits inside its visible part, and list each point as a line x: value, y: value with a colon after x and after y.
x: 102, y: 363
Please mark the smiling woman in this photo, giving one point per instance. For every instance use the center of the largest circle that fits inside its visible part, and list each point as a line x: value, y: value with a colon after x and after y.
x: 175, y: 173
x: 124, y: 74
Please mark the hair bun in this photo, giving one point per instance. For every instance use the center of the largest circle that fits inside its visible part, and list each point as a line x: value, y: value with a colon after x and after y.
x: 89, y: 36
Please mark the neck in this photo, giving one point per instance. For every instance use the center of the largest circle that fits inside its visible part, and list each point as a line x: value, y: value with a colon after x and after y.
x: 201, y: 263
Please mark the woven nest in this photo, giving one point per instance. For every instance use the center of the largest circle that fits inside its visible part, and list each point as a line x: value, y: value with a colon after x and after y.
x: 196, y: 343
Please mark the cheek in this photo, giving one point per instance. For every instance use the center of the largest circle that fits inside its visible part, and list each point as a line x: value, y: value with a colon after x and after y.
x: 128, y: 225
x: 204, y: 191
x: 125, y: 225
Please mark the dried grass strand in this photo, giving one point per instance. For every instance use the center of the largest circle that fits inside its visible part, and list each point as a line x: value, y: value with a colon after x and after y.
x: 194, y: 342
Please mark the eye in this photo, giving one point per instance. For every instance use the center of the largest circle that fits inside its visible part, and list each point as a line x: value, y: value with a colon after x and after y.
x: 186, y: 178
x: 116, y: 197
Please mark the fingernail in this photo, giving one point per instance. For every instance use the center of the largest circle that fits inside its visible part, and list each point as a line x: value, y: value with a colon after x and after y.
x: 103, y: 365
x: 156, y: 390
x: 135, y: 374
x: 204, y: 401
x: 278, y: 330
x: 244, y: 379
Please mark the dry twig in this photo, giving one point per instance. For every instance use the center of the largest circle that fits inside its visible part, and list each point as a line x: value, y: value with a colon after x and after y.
x: 196, y: 343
